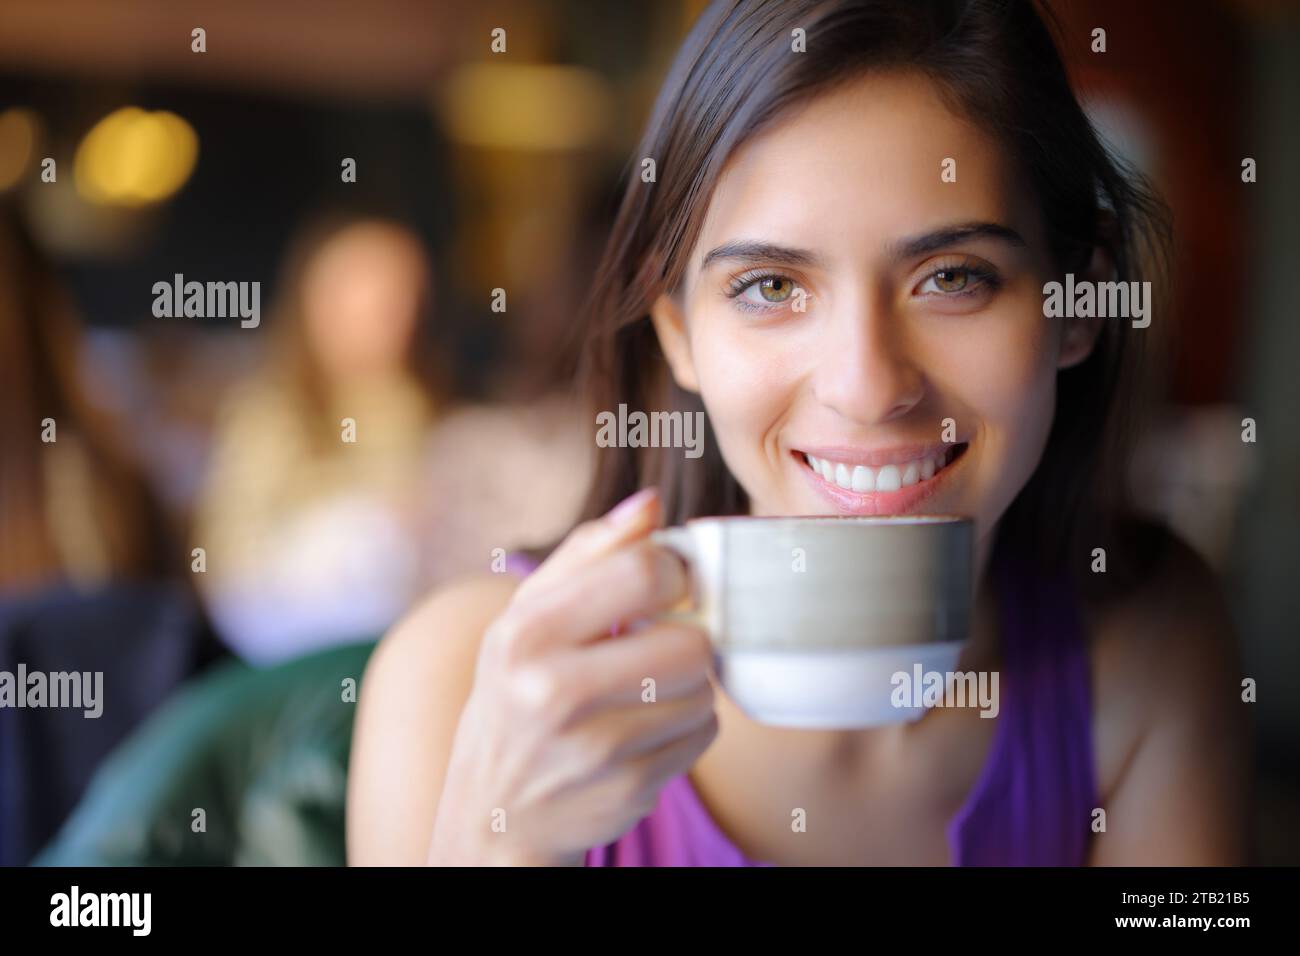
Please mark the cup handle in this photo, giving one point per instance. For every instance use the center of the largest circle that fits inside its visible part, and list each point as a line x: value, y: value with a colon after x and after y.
x: 682, y: 543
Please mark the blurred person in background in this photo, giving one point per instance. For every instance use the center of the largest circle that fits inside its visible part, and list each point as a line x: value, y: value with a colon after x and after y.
x: 501, y: 477
x: 310, y: 511
x: 90, y: 580
x: 73, y: 508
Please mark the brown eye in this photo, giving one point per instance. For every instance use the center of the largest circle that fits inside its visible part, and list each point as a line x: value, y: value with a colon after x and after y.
x: 775, y: 288
x: 951, y: 280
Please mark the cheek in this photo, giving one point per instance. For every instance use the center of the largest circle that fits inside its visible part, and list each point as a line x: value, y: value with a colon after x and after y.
x: 1009, y: 382
x: 746, y: 389
x: 1006, y: 382
x: 321, y: 327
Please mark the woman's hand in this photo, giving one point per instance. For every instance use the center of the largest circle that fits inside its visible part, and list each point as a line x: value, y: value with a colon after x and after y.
x: 556, y: 750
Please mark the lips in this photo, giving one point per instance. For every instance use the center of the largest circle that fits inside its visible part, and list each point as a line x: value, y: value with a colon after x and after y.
x: 894, y: 481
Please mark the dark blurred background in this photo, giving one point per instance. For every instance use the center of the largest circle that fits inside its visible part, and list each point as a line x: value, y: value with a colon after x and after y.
x: 478, y: 171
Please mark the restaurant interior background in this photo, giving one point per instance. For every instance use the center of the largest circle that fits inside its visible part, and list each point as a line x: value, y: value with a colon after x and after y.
x: 475, y: 172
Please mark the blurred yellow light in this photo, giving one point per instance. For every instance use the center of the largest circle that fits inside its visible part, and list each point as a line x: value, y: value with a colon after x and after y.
x: 526, y: 107
x: 17, y: 144
x: 133, y: 158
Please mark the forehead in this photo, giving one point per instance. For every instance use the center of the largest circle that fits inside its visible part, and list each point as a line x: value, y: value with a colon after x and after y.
x: 363, y: 249
x: 862, y: 164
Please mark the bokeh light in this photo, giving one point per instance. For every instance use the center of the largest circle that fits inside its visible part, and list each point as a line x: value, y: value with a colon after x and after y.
x: 133, y: 157
x: 19, y: 129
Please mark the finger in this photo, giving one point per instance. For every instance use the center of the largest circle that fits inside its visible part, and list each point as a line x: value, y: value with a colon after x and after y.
x: 632, y: 518
x: 639, y: 581
x: 675, y: 657
x: 608, y: 745
x: 656, y: 767
x: 634, y: 730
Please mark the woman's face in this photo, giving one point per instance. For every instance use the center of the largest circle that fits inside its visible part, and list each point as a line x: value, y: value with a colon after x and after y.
x: 361, y: 296
x: 846, y: 310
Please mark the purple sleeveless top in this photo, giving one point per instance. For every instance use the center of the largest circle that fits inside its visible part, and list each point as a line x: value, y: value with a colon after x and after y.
x: 1032, y: 802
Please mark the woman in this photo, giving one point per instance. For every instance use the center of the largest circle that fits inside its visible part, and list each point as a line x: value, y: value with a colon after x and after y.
x: 811, y: 269
x: 91, y: 579
x: 313, y: 496
x: 74, y: 507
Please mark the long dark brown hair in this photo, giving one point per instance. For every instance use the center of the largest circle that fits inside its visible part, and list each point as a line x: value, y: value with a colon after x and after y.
x: 994, y: 61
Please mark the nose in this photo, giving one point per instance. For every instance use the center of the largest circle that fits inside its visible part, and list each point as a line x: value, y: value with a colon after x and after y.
x: 866, y: 370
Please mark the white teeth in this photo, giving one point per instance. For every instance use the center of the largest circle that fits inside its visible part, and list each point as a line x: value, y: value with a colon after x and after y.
x: 887, y: 478
x: 864, y: 479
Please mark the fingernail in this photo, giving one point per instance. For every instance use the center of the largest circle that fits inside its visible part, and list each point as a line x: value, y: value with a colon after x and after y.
x: 629, y: 506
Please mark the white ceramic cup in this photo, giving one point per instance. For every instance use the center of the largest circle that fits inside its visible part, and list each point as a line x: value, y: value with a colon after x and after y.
x: 812, y: 618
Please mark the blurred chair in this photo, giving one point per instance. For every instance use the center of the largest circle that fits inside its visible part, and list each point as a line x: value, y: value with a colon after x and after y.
x: 261, y: 752
x: 144, y: 638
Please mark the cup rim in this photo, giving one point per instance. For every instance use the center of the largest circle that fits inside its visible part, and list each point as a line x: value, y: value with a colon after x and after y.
x: 878, y: 520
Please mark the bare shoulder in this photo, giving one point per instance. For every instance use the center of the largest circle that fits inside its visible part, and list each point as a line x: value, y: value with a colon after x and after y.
x: 1167, y: 679
x: 412, y: 695
x: 444, y: 629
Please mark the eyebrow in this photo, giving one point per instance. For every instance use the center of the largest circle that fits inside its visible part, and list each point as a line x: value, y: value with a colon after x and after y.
x: 951, y: 235
x: 755, y: 251
x: 749, y: 250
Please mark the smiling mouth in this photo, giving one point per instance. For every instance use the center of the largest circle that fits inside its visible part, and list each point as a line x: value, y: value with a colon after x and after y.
x: 885, y: 478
